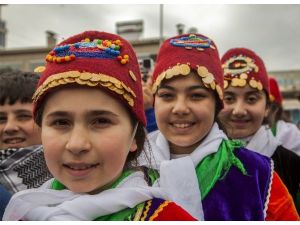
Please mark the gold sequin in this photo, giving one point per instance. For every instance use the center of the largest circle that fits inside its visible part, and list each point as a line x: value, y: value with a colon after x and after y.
x: 184, y: 69
x: 244, y: 76
x: 225, y: 84
x: 219, y: 91
x: 208, y: 79
x: 259, y: 86
x: 213, y: 85
x: 202, y: 71
x: 133, y: 77
x: 39, y: 69
x: 253, y: 83
x: 85, y: 76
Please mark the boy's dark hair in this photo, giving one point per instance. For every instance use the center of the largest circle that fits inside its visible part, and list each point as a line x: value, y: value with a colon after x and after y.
x: 16, y: 86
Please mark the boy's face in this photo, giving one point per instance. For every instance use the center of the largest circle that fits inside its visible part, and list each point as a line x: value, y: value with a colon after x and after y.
x: 184, y: 111
x: 87, y: 136
x: 244, y: 111
x: 17, y: 128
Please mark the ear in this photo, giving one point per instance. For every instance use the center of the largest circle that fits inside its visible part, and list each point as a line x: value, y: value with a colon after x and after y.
x: 133, y: 146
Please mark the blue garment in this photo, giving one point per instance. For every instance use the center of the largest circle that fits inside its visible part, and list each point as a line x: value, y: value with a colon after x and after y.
x: 151, y: 121
x: 4, y: 199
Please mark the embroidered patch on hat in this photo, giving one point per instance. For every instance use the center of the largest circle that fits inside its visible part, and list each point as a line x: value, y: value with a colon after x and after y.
x: 237, y: 70
x: 103, y: 49
x: 192, y: 41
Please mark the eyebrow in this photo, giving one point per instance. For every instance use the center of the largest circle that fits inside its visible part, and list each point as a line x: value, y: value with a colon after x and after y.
x: 190, y: 88
x: 89, y: 113
x: 22, y: 111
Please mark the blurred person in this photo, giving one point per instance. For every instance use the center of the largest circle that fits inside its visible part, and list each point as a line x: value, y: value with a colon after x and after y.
x: 285, y: 131
x: 22, y: 164
x: 246, y: 111
x: 17, y: 128
x: 4, y: 199
x: 212, y: 177
x: 148, y: 103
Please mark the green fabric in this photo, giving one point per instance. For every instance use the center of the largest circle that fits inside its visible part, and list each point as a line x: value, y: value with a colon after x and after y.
x: 215, y: 166
x: 153, y: 175
x: 274, y: 130
x: 56, y: 185
x: 123, y: 215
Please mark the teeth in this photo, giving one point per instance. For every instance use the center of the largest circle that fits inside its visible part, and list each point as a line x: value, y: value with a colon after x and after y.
x: 181, y: 125
x: 14, y: 141
x: 80, y: 167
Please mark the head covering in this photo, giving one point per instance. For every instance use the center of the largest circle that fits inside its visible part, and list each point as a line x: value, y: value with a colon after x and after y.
x: 94, y: 59
x: 243, y: 66
x: 179, y: 55
x: 275, y: 94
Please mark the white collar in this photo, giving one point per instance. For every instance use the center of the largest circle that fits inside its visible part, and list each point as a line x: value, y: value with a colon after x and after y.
x: 263, y: 142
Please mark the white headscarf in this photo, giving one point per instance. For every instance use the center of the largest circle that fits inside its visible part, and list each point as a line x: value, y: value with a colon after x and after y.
x: 263, y: 142
x: 289, y: 135
x: 46, y: 204
x: 178, y: 176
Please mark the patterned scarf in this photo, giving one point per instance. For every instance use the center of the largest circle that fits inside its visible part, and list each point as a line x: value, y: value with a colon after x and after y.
x: 23, y: 168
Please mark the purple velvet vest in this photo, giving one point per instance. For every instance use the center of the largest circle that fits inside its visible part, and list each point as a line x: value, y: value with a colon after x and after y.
x: 237, y: 196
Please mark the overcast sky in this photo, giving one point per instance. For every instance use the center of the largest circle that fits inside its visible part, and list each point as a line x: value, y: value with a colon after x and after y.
x: 272, y: 31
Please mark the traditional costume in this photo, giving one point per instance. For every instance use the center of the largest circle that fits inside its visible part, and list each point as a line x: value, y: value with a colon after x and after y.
x: 106, y: 61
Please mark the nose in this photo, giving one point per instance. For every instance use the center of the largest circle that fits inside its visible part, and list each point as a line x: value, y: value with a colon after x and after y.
x: 181, y: 106
x: 78, y: 141
x: 11, y: 126
x: 239, y: 109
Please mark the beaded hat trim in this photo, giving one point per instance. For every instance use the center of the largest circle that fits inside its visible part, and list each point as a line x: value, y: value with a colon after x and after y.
x: 184, y: 69
x: 237, y: 70
x: 87, y: 79
x: 192, y: 41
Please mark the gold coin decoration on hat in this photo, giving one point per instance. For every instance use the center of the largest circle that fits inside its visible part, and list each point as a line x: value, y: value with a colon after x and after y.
x: 89, y: 79
x: 236, y: 72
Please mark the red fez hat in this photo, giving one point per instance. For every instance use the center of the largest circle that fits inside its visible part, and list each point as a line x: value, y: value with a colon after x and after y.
x: 98, y: 60
x: 181, y: 54
x: 275, y: 94
x: 243, y: 66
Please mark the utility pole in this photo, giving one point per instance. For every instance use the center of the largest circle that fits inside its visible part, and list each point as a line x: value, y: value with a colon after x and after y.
x: 161, y: 23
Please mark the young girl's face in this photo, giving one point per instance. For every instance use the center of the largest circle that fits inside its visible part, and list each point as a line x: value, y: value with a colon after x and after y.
x: 244, y: 111
x: 184, y: 111
x: 87, y: 136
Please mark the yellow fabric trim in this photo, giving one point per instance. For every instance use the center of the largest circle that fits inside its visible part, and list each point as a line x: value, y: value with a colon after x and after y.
x: 147, y: 208
x: 160, y: 208
x: 86, y: 79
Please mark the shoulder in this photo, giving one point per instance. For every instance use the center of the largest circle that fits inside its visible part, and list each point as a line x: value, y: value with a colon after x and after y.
x: 162, y: 210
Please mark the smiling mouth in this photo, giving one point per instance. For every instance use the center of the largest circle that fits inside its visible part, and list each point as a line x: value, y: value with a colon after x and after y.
x: 80, y: 166
x: 14, y: 140
x: 182, y: 125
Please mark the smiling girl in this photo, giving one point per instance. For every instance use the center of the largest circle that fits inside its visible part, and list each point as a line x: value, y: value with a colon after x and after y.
x: 212, y: 177
x: 89, y: 107
x: 245, y: 114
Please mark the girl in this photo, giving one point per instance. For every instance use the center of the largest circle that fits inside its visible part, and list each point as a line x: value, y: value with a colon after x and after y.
x: 210, y: 176
x: 285, y: 131
x: 246, y: 107
x: 89, y: 107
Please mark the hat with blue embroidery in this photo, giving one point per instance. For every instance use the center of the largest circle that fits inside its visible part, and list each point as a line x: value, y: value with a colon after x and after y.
x: 97, y: 60
x: 243, y: 66
x: 181, y: 54
x: 275, y: 94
